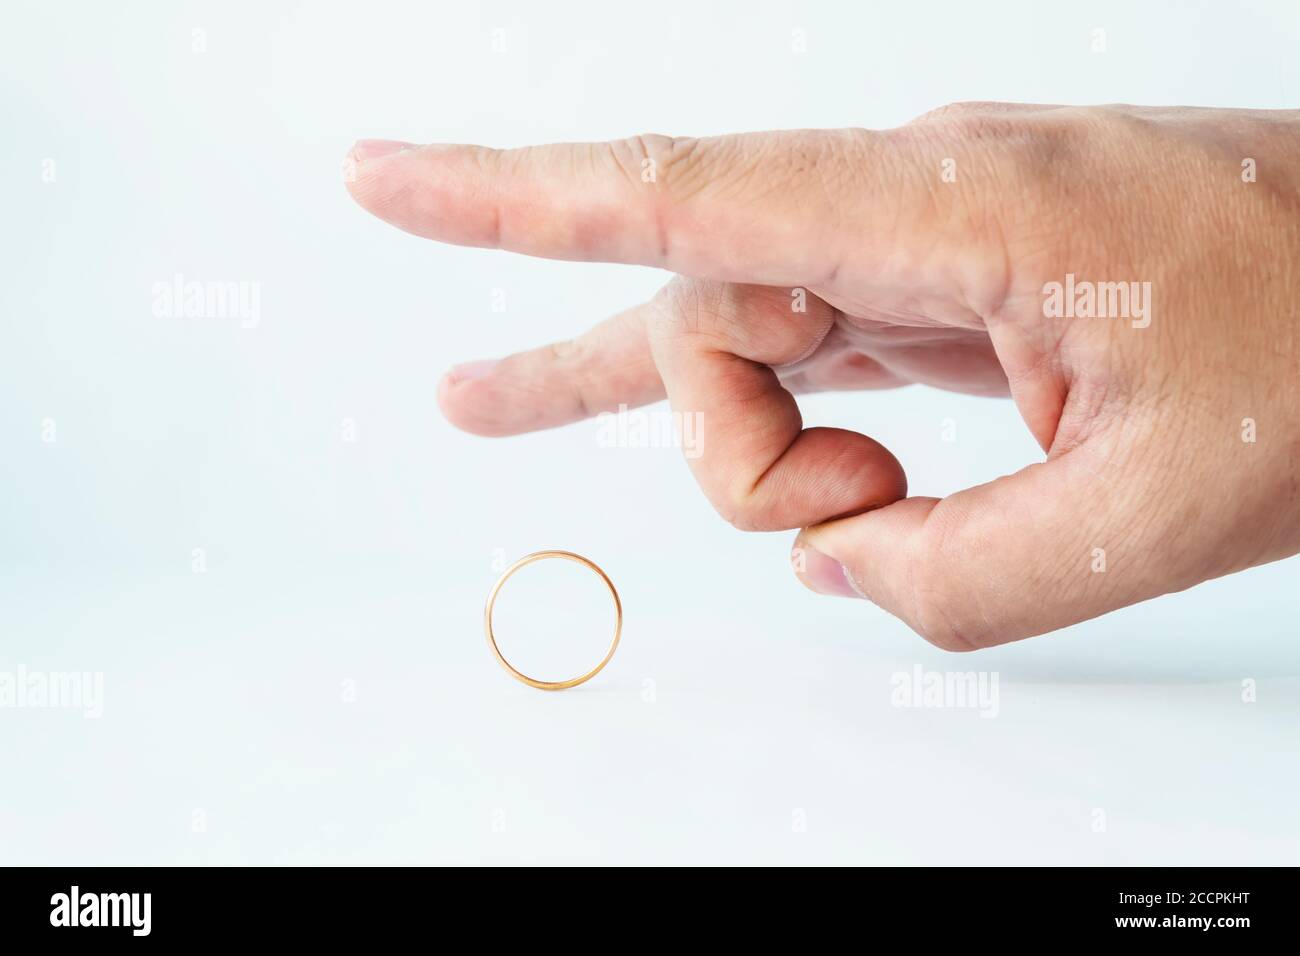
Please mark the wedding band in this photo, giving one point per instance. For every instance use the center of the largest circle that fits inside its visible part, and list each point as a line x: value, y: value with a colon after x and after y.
x: 492, y: 600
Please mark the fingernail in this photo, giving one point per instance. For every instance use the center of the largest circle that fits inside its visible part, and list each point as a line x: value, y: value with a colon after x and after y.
x: 470, y: 371
x: 823, y: 574
x: 366, y: 149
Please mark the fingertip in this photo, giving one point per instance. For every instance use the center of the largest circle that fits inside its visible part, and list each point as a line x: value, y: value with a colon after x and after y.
x: 472, y: 402
x: 447, y: 400
x: 851, y: 473
x: 893, y: 479
x: 364, y: 160
x: 821, y: 573
x: 435, y: 190
x: 469, y: 371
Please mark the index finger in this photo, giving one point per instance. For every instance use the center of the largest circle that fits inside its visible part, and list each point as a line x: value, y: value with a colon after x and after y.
x: 756, y: 207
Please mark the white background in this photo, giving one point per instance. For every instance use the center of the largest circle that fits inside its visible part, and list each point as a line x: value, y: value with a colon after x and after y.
x: 744, y: 719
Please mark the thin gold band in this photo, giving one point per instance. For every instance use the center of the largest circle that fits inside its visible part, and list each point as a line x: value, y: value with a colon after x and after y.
x: 492, y: 600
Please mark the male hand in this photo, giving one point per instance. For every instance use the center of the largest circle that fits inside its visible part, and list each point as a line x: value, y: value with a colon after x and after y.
x: 1159, y: 373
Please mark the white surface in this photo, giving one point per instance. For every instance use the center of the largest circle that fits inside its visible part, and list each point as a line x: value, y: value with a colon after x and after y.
x: 739, y: 705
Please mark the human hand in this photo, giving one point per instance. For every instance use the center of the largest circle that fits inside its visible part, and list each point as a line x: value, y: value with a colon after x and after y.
x: 927, y: 255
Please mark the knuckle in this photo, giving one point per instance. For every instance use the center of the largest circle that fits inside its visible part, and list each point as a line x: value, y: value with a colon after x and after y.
x: 1111, y: 115
x: 635, y: 156
x: 998, y: 132
x: 1005, y: 138
x: 572, y: 355
x: 676, y: 152
x: 745, y: 511
x: 1016, y: 168
x: 566, y: 352
x: 757, y: 321
x: 955, y: 110
x: 746, y: 501
x: 696, y: 307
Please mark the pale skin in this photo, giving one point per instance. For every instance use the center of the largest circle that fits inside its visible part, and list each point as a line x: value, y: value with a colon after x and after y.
x: 1172, y: 450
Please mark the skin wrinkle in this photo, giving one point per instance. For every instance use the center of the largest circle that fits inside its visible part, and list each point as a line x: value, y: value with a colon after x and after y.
x: 1137, y: 530
x: 955, y: 639
x: 993, y: 305
x: 851, y: 370
x: 853, y: 146
x: 967, y: 599
x: 836, y: 466
x: 835, y: 316
x: 993, y: 589
x: 757, y: 483
x: 568, y: 353
x: 481, y: 156
x: 834, y: 171
x: 640, y: 151
x: 692, y: 172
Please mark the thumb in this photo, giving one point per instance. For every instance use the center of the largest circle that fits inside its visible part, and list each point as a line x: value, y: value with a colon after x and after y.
x: 1051, y: 545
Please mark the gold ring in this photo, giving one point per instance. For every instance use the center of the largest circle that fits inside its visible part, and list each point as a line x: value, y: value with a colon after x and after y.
x: 492, y: 600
